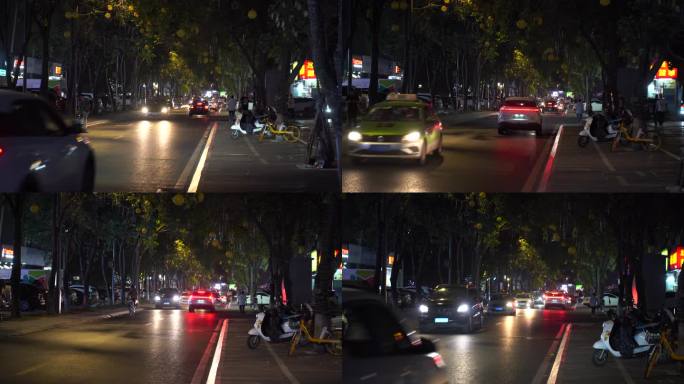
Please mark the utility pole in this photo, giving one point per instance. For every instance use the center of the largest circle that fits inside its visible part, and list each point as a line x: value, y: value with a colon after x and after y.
x: 450, y: 254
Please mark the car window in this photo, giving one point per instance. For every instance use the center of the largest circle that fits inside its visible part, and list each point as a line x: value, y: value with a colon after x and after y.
x: 520, y: 103
x: 53, y: 127
x: 395, y: 113
x: 373, y: 330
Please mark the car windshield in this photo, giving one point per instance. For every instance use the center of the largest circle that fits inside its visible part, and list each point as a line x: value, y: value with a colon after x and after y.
x: 394, y: 113
x: 449, y: 291
x: 500, y: 297
x: 520, y: 103
x: 168, y: 291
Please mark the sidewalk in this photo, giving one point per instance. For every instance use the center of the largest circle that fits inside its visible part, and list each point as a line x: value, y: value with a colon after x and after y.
x: 577, y: 366
x: 31, y: 323
x: 597, y: 169
x: 270, y: 363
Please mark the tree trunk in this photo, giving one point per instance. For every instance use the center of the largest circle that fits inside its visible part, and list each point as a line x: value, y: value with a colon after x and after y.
x: 17, y: 205
x: 377, y: 9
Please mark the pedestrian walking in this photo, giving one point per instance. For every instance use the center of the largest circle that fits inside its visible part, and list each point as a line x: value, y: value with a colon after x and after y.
x: 579, y: 110
x: 232, y: 106
x: 242, y: 300
x: 661, y: 109
x: 593, y: 303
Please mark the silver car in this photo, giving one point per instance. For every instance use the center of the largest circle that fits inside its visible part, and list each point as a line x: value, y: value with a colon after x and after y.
x: 39, y: 152
x: 380, y: 350
x: 520, y: 113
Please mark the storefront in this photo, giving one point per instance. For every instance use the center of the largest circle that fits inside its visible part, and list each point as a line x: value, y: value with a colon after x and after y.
x: 666, y: 84
x: 306, y: 83
x: 674, y: 263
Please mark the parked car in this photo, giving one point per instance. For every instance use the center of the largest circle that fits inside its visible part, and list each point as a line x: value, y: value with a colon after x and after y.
x: 39, y: 151
x: 610, y: 300
x: 262, y: 298
x: 79, y: 289
x: 381, y: 349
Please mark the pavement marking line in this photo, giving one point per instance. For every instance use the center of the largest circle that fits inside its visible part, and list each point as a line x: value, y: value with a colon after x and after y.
x: 202, y: 366
x: 541, y: 371
x: 549, y: 164
x: 282, y: 366
x: 553, y: 376
x: 211, y: 379
x: 255, y: 152
x: 604, y: 158
x: 623, y: 371
x: 29, y: 370
x: 190, y: 166
x: 672, y: 155
x: 529, y: 183
x: 194, y: 184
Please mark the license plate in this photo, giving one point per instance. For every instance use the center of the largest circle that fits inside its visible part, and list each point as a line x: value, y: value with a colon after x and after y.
x: 554, y: 301
x: 166, y: 303
x: 200, y: 301
x: 441, y: 320
x: 498, y: 308
x: 379, y: 148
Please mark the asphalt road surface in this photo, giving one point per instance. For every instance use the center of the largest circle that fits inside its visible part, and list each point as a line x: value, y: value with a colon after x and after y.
x: 156, y: 346
x: 476, y: 159
x: 177, y: 153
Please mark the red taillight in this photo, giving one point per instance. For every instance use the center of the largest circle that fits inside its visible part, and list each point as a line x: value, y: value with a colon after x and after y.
x: 519, y: 109
x: 2, y: 151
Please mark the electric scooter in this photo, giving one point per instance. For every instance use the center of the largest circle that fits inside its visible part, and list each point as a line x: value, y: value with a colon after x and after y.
x: 289, y: 325
x: 585, y: 134
x: 643, y: 340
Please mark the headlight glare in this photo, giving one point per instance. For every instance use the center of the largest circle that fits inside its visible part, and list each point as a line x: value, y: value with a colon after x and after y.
x: 413, y: 136
x: 165, y: 110
x: 176, y: 298
x: 509, y: 304
x: 145, y: 110
x: 423, y: 308
x: 157, y: 298
x: 354, y: 136
x: 462, y: 308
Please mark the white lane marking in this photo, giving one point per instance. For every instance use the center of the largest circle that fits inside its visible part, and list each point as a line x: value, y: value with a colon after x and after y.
x: 549, y: 164
x: 623, y: 371
x: 541, y: 371
x: 97, y: 123
x: 604, y: 158
x: 194, y: 184
x: 529, y: 183
x: 553, y: 376
x: 254, y: 151
x: 202, y: 366
x: 282, y: 366
x: 35, y: 367
x: 211, y: 379
x: 672, y: 155
x: 182, y: 181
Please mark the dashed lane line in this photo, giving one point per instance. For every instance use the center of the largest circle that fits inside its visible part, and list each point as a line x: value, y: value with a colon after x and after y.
x: 255, y: 152
x: 282, y: 366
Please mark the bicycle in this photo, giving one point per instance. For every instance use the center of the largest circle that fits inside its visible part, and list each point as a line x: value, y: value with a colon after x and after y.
x: 664, y: 344
x: 290, y: 133
x: 331, y: 341
x: 649, y: 140
x: 131, y: 308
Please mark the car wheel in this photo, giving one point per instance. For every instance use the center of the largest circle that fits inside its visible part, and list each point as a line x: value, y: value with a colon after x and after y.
x: 423, y: 154
x: 88, y: 182
x: 502, y: 130
x: 469, y: 327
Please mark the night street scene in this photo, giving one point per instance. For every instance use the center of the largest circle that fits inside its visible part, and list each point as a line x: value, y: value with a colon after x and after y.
x: 517, y: 288
x: 514, y: 96
x: 170, y: 288
x: 164, y: 95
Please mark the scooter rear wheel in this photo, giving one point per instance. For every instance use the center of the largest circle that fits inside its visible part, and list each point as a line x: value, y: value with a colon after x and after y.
x: 582, y: 141
x: 235, y: 134
x: 253, y: 341
x: 599, y: 357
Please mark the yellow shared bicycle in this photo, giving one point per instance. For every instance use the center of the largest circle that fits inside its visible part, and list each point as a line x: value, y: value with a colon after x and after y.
x: 665, y: 344
x: 290, y: 133
x: 649, y: 140
x: 331, y: 340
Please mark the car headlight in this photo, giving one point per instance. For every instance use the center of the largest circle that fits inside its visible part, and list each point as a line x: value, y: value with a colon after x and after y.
x: 423, y: 308
x: 413, y: 136
x: 165, y: 110
x: 509, y: 304
x: 354, y: 136
x: 462, y: 308
x: 145, y: 110
x: 176, y: 298
x: 157, y: 298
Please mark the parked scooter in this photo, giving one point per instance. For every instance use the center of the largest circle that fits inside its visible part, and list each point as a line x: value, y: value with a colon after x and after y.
x: 288, y: 325
x: 643, y: 339
x: 598, y: 128
x: 237, y: 129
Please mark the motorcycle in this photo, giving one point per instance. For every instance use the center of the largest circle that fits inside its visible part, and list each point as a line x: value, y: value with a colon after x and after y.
x: 288, y: 326
x: 591, y: 134
x: 643, y: 339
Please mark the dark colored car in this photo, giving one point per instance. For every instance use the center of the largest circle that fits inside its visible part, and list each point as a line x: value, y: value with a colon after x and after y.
x: 156, y: 107
x: 451, y: 306
x: 381, y: 349
x: 550, y: 106
x: 500, y: 303
x: 167, y: 297
x: 202, y: 299
x: 199, y: 107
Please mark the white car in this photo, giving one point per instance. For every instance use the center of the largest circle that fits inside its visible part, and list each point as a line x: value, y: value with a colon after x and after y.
x: 39, y: 151
x: 262, y: 298
x: 609, y: 300
x: 520, y: 113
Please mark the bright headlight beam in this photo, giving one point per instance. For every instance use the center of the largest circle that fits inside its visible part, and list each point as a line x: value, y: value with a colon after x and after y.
x: 354, y: 136
x: 423, y: 308
x: 413, y: 136
x: 462, y: 308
